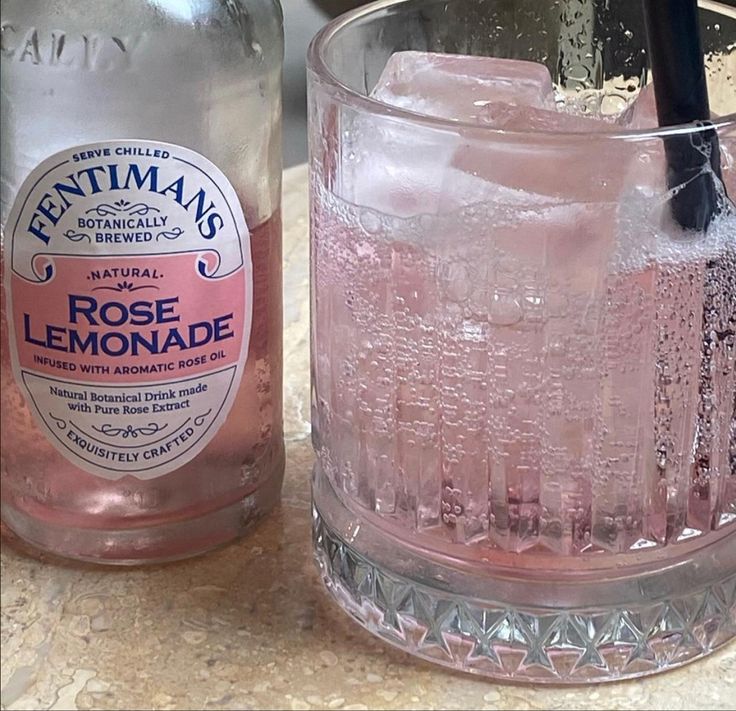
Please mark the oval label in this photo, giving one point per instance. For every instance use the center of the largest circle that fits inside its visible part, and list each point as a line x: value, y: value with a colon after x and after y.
x: 129, y: 283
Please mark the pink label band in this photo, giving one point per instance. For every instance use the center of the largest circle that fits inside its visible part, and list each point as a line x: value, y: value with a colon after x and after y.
x: 130, y: 291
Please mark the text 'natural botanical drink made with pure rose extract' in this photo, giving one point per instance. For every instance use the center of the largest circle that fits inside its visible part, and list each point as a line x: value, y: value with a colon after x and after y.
x: 141, y: 317
x: 524, y: 370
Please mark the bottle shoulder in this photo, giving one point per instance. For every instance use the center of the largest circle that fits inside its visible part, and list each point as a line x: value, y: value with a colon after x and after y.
x: 199, y: 21
x: 142, y: 33
x: 141, y: 11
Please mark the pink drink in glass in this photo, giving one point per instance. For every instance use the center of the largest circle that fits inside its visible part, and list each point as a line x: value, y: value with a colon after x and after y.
x: 523, y: 375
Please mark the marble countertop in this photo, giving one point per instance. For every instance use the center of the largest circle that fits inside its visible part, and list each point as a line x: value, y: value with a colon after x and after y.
x: 249, y: 625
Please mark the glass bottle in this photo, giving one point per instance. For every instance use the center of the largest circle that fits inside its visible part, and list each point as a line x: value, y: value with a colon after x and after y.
x: 141, y: 316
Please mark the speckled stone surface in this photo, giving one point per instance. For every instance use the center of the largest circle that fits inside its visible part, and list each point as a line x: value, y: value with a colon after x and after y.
x: 249, y: 626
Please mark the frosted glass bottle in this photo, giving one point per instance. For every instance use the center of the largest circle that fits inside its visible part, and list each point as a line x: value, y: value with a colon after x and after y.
x: 141, y: 315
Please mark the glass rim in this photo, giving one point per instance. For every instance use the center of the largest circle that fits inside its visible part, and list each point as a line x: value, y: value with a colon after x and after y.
x: 317, y: 63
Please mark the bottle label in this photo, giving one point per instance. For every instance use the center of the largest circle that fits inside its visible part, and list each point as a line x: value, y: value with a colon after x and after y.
x: 129, y: 285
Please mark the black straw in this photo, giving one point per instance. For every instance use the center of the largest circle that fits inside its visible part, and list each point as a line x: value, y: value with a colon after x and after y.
x: 681, y: 92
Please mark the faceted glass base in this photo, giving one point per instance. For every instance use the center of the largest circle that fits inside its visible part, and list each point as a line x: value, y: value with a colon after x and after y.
x: 604, y: 627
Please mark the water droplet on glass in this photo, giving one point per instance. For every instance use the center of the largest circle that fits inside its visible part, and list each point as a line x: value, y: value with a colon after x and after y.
x: 505, y: 310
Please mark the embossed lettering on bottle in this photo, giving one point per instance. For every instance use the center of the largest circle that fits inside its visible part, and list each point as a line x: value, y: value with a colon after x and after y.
x: 129, y: 283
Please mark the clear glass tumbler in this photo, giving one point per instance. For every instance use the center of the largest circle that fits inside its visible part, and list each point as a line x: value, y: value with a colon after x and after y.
x: 523, y: 370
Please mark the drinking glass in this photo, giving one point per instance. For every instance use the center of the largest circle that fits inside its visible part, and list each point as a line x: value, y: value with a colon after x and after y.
x: 523, y: 370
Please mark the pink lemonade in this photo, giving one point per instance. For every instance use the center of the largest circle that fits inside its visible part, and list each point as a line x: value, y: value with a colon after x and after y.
x: 141, y: 249
x: 485, y: 397
x: 202, y: 504
x: 523, y: 369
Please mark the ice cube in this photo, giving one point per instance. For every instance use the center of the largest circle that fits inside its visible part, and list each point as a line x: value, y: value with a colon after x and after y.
x: 642, y: 112
x: 526, y: 118
x: 458, y: 87
x: 587, y: 164
x: 577, y: 167
x: 404, y: 168
x: 511, y: 95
